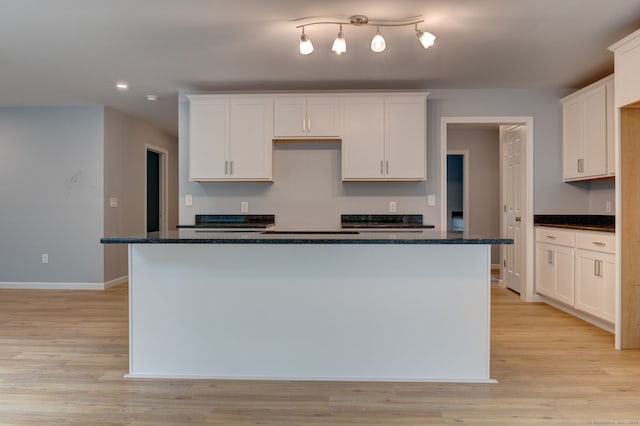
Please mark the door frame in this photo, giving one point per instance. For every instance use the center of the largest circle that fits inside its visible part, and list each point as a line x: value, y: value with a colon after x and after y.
x: 528, y: 293
x: 465, y: 185
x: 164, y: 185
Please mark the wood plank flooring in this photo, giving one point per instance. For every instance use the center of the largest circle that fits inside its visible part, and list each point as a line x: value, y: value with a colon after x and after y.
x: 63, y: 355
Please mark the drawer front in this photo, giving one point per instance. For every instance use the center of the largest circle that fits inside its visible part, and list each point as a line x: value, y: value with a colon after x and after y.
x: 597, y: 241
x: 555, y: 236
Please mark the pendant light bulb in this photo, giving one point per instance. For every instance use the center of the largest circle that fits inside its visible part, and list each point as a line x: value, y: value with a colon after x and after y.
x: 339, y: 44
x: 377, y: 42
x: 306, y: 47
x: 426, y: 39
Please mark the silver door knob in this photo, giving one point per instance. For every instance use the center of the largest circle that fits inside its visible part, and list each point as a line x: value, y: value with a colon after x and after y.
x: 518, y: 219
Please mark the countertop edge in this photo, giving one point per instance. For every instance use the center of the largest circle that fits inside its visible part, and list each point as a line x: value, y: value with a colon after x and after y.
x: 578, y: 227
x: 304, y: 241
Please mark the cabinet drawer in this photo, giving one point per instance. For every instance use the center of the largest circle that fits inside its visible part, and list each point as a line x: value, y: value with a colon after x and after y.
x: 555, y: 236
x: 597, y: 241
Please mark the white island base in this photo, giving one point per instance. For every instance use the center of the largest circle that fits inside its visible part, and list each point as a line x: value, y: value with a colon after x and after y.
x: 383, y: 312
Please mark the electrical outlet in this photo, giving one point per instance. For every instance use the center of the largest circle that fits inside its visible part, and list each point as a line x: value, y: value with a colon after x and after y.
x: 244, y: 207
x: 45, y: 258
x: 608, y: 207
x: 113, y: 202
x: 393, y: 207
x: 188, y: 199
x: 431, y: 200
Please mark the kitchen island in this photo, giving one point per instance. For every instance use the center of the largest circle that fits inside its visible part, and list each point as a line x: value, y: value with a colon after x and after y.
x: 402, y: 305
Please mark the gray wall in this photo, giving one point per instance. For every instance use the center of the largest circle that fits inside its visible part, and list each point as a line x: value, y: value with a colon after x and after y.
x: 51, y: 187
x: 125, y: 140
x: 599, y: 193
x: 484, y: 178
x: 308, y: 190
x: 58, y: 168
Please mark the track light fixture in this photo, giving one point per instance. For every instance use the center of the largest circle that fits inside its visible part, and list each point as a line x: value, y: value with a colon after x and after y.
x: 306, y: 47
x: 378, y: 43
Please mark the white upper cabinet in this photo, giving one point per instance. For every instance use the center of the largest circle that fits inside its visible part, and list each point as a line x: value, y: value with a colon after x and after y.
x: 230, y: 138
x: 384, y: 138
x: 627, y: 65
x: 588, y: 132
x: 307, y: 117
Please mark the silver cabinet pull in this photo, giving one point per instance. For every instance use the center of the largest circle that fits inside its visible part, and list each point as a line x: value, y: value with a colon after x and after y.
x: 551, y: 237
x: 308, y: 125
x: 304, y: 126
x: 226, y: 167
x: 598, y: 243
x: 550, y: 257
x: 231, y: 167
x: 381, y: 167
x: 595, y: 268
x: 387, y: 166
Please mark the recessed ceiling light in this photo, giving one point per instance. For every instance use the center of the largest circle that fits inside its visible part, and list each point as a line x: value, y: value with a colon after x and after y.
x: 152, y: 97
x: 122, y: 85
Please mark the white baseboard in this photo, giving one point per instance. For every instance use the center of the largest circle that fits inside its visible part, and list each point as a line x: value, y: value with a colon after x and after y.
x: 62, y: 286
x: 606, y: 326
x: 116, y: 282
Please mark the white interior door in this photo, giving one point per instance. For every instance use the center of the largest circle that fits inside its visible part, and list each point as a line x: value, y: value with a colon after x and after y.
x: 513, y: 151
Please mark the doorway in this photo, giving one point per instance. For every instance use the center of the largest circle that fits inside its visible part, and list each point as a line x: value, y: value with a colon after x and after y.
x: 458, y: 190
x: 522, y: 257
x: 156, y: 189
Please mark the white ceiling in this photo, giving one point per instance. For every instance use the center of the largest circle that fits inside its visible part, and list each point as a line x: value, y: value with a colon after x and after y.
x: 59, y: 52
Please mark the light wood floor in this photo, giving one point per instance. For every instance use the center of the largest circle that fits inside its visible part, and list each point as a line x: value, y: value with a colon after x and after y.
x: 63, y: 355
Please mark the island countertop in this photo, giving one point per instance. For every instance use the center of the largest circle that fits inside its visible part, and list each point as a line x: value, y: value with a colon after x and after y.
x: 276, y: 236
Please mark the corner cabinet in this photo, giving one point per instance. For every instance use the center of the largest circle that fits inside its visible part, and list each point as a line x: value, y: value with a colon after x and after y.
x: 577, y: 268
x: 307, y: 117
x: 230, y: 138
x: 588, y: 133
x: 384, y: 138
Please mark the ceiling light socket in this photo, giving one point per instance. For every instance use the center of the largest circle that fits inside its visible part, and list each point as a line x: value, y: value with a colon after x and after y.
x: 152, y: 97
x: 122, y: 86
x: 359, y: 19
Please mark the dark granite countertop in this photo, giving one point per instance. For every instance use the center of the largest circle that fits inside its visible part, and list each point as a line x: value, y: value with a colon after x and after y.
x: 206, y: 236
x: 601, y: 223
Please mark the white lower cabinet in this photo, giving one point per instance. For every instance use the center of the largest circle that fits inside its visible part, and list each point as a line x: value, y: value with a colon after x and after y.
x: 555, y: 272
x: 577, y: 268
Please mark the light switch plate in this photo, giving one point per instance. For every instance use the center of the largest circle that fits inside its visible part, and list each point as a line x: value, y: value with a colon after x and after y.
x: 431, y: 200
x: 113, y: 202
x: 244, y: 207
x: 393, y: 207
x: 188, y: 200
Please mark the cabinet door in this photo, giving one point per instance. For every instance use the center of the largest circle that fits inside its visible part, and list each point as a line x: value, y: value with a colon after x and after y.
x: 405, y: 134
x: 324, y: 117
x: 363, y: 139
x: 572, y: 136
x: 563, y: 259
x: 289, y: 117
x: 545, y: 275
x: 608, y: 271
x: 251, y: 127
x: 208, y: 139
x: 595, y: 133
x: 595, y: 275
x: 611, y: 137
